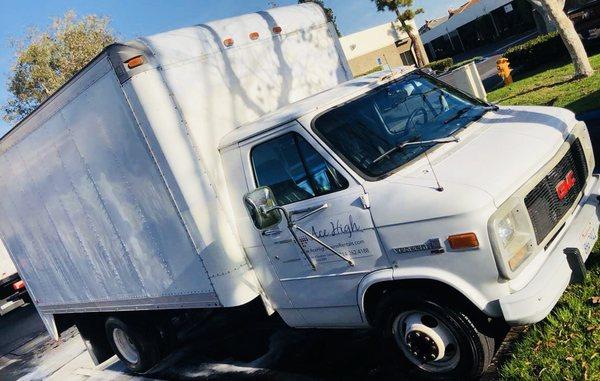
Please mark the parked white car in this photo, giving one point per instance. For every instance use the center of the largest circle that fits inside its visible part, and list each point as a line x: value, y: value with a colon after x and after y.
x: 205, y: 167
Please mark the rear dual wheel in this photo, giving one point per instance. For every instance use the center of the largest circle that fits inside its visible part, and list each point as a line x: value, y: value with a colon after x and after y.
x: 432, y: 340
x: 137, y: 346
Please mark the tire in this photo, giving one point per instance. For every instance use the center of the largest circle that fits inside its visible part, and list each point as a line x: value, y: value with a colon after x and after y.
x: 429, y: 338
x: 138, y: 347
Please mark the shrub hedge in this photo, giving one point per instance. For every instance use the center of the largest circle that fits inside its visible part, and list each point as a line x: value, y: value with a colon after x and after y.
x: 373, y: 70
x: 537, y: 52
x: 440, y: 65
x: 462, y: 63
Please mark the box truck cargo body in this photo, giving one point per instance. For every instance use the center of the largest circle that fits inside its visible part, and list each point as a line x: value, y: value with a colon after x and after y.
x: 210, y: 166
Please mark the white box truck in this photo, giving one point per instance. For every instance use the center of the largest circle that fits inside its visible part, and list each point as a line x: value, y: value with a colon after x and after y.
x: 209, y: 166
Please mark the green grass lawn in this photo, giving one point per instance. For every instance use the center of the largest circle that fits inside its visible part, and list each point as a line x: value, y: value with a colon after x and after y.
x: 566, y: 345
x: 552, y: 85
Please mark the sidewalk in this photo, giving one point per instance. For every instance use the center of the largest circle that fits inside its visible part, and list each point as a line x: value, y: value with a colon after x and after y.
x: 28, y: 353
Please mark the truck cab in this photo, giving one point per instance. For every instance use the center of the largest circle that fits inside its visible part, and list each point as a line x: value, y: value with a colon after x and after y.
x: 397, y: 202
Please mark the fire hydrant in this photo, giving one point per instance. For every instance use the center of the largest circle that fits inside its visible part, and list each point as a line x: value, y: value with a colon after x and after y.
x: 504, y: 70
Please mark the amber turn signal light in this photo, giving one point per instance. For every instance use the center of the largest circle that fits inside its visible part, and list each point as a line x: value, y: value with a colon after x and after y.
x: 135, y: 62
x: 463, y: 241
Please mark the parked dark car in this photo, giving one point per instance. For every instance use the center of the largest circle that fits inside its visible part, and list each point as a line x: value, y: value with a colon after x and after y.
x: 585, y: 14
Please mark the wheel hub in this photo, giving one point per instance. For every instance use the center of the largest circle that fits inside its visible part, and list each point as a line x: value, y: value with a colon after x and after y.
x: 125, y: 346
x: 426, y: 341
x: 422, y: 346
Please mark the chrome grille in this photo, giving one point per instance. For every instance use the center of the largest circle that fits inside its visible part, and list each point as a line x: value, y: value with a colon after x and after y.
x: 545, y: 207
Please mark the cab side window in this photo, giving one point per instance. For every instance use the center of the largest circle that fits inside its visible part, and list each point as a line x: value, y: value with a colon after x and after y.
x: 294, y: 170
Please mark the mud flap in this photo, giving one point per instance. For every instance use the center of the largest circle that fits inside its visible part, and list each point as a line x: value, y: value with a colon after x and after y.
x: 94, y: 338
x: 576, y: 264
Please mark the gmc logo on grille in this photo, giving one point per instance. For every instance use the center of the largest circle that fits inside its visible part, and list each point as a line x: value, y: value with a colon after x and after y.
x: 564, y: 186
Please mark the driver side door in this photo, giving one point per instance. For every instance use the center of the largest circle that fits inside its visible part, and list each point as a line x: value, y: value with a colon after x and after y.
x: 327, y: 203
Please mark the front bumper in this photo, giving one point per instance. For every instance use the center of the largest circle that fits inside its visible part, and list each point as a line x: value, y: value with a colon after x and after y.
x: 534, y: 302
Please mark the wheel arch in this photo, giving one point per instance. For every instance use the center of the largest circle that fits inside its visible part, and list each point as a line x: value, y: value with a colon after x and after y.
x: 375, y: 285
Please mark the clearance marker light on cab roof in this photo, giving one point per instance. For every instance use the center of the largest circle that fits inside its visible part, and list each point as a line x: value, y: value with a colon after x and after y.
x: 228, y: 42
x: 135, y: 62
x: 463, y: 241
x: 277, y: 29
x: 254, y: 36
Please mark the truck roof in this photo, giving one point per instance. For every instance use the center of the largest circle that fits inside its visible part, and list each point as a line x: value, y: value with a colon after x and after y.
x: 320, y: 101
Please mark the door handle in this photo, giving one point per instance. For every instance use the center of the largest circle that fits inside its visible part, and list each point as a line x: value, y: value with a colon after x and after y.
x: 308, y: 211
x: 269, y: 232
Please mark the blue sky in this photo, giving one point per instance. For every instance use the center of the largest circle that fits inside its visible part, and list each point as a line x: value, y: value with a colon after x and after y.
x: 130, y: 18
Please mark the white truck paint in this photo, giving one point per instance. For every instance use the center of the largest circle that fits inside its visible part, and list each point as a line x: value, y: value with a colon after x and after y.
x: 141, y: 187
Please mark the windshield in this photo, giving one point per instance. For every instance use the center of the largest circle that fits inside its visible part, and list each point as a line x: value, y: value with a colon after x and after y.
x: 413, y: 108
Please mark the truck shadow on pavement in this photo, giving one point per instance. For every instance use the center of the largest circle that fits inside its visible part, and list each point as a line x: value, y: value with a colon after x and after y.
x: 264, y: 348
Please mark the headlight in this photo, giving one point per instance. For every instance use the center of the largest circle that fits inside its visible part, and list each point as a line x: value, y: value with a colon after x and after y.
x: 512, y: 237
x: 506, y: 229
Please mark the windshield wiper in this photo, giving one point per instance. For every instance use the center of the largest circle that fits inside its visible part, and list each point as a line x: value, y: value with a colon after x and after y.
x: 399, y: 147
x: 458, y: 114
x: 464, y: 110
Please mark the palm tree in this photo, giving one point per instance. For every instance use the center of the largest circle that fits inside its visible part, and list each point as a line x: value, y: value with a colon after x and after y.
x: 554, y: 10
x: 404, y: 17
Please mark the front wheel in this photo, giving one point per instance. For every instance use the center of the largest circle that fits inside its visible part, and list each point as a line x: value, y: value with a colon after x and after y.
x: 432, y: 339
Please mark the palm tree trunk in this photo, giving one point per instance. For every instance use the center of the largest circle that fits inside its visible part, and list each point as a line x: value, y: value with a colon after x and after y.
x: 566, y: 29
x: 416, y: 42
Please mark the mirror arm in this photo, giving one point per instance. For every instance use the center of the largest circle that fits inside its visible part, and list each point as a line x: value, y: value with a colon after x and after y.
x: 287, y: 216
x: 317, y: 240
x: 292, y: 226
x: 309, y: 212
x: 308, y: 258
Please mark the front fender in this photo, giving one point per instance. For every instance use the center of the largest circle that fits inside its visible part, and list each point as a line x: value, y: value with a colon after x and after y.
x: 487, y: 305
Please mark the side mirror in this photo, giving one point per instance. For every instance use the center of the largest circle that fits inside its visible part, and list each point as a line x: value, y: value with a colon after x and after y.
x: 261, y: 206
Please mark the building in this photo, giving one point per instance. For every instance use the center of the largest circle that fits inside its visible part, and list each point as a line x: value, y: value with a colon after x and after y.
x: 378, y: 47
x: 476, y: 24
x: 430, y: 24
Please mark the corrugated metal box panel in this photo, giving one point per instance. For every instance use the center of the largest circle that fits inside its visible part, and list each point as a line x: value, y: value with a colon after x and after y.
x: 85, y: 212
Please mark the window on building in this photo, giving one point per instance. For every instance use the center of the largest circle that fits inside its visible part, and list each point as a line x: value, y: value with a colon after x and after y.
x: 407, y: 58
x: 517, y: 18
x: 573, y: 5
x: 443, y: 47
